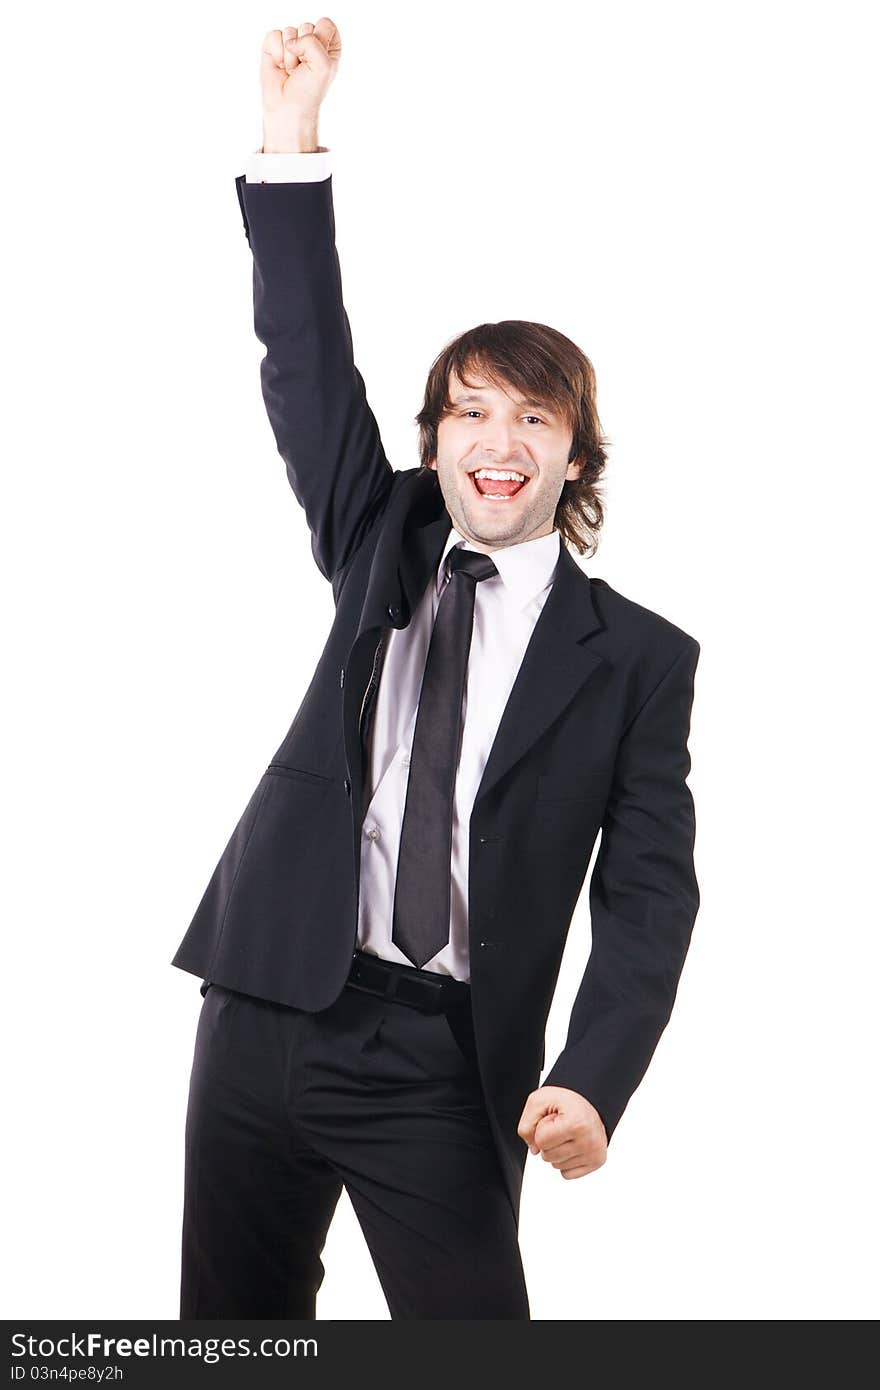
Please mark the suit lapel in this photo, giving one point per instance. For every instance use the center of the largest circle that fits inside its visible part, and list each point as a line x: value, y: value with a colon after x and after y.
x: 414, y: 531
x: 554, y: 667
x: 411, y: 538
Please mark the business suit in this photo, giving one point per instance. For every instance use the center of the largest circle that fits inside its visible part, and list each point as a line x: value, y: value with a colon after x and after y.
x: 594, y: 734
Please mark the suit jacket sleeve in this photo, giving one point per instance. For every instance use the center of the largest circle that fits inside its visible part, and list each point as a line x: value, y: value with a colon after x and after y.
x: 314, y: 395
x: 644, y: 899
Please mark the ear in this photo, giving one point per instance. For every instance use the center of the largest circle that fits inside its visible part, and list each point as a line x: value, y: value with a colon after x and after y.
x: 574, y: 470
x: 433, y: 464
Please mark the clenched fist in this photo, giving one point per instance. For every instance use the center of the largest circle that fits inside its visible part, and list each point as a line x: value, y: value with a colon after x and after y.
x: 297, y: 66
x: 565, y: 1129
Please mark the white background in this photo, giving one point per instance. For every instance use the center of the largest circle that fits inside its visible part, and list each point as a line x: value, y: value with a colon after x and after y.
x: 684, y: 189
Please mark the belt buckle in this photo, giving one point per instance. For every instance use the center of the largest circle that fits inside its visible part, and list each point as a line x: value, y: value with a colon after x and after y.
x: 399, y: 985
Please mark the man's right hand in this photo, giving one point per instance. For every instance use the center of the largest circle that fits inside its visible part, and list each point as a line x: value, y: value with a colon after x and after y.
x: 297, y: 66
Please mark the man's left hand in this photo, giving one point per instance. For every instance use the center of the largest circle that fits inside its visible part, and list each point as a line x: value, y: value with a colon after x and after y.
x: 565, y: 1129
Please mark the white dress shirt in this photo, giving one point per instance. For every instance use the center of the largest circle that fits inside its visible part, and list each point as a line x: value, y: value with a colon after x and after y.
x: 506, y: 609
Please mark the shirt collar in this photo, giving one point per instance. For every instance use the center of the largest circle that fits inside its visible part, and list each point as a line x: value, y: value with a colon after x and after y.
x: 524, y: 569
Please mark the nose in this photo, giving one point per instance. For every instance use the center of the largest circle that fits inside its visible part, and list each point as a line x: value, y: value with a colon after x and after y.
x: 498, y: 440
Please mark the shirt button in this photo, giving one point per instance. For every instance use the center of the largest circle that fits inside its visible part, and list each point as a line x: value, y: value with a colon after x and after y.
x: 374, y: 833
x: 406, y: 759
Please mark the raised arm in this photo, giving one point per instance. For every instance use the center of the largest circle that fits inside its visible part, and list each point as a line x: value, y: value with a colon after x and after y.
x: 314, y: 395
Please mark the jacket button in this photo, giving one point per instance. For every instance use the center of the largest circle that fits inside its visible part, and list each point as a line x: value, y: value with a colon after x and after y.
x: 347, y: 786
x: 393, y: 611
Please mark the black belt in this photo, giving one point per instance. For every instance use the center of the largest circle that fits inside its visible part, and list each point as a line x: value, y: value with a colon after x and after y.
x: 421, y: 989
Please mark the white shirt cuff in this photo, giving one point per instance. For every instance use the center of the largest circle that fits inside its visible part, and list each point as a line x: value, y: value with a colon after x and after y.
x: 288, y: 168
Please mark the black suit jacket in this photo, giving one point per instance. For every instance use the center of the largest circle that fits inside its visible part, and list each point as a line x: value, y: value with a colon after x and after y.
x: 594, y: 736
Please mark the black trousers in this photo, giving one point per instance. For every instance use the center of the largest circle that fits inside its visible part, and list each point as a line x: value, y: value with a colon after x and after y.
x: 287, y: 1107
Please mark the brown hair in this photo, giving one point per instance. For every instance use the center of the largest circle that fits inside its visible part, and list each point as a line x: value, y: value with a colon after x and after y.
x: 544, y: 366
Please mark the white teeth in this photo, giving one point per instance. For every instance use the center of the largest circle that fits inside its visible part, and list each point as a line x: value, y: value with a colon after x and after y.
x: 499, y: 473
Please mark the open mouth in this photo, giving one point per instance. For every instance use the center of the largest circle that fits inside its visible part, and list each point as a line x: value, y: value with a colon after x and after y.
x: 498, y: 484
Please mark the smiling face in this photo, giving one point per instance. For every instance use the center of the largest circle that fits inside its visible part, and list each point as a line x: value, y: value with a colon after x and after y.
x: 493, y: 429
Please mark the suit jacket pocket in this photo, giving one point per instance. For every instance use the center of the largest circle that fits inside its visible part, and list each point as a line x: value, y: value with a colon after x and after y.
x: 298, y: 773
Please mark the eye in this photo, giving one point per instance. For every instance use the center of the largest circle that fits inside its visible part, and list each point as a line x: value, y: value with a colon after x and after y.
x: 525, y: 417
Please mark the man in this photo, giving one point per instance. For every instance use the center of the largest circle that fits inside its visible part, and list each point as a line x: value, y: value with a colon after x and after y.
x: 381, y: 938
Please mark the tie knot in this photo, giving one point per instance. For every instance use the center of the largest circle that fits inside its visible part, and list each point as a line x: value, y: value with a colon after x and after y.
x: 471, y: 562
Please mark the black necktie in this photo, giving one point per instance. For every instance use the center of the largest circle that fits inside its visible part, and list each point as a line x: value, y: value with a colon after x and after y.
x: 422, y: 895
